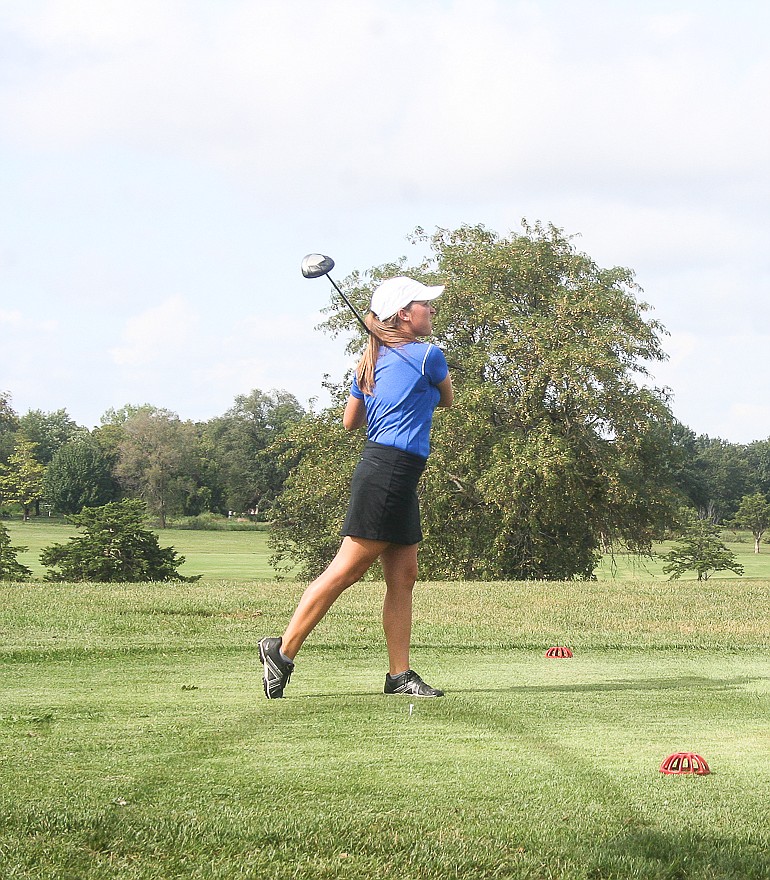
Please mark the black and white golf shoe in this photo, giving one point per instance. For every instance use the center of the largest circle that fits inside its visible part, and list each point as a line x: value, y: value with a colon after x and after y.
x: 411, y: 684
x: 276, y: 671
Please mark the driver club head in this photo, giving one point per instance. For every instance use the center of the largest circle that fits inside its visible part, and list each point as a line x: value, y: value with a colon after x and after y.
x: 316, y: 265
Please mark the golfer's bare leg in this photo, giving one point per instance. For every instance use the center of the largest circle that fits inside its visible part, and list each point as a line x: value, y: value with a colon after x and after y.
x: 399, y: 565
x: 353, y: 560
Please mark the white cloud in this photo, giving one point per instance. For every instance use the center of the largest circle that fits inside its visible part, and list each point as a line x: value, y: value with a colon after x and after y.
x: 277, y: 350
x: 11, y: 317
x: 437, y: 98
x: 668, y: 26
x: 718, y: 383
x: 159, y: 335
x: 164, y: 145
x: 72, y: 27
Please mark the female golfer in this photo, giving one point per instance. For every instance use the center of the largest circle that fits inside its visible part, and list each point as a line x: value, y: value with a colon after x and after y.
x: 398, y: 384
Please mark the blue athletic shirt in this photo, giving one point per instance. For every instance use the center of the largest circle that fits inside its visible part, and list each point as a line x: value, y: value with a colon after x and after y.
x: 399, y: 412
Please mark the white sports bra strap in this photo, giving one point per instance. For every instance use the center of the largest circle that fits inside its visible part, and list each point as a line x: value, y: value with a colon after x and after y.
x: 427, y: 352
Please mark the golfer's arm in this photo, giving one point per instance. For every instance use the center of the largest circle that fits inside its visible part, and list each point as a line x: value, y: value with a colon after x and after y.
x: 446, y: 390
x: 354, y: 416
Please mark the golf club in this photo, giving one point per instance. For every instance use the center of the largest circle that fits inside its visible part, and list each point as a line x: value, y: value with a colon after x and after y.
x: 318, y: 265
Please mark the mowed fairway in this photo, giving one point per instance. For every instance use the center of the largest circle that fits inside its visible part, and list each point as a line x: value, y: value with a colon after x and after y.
x: 226, y: 555
x: 241, y: 555
x: 135, y: 741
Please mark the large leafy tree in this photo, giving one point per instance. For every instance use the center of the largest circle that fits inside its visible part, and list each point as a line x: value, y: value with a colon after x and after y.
x: 555, y: 445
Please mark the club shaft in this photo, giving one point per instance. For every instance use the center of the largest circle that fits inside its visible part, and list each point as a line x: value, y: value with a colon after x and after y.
x: 350, y: 305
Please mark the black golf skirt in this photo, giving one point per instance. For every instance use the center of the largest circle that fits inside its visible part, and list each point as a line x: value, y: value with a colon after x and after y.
x: 383, y: 496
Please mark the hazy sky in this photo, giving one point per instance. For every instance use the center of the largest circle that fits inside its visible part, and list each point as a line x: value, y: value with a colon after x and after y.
x: 166, y: 164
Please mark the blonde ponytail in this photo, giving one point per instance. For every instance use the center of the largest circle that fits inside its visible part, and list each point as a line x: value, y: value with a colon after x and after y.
x: 388, y: 333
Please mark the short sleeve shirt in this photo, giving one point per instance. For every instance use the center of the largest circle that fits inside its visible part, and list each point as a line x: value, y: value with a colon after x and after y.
x: 399, y: 412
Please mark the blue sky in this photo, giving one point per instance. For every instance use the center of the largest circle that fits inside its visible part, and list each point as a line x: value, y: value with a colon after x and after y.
x: 166, y: 164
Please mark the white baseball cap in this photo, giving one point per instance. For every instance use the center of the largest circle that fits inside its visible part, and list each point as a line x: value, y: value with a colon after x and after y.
x: 397, y: 293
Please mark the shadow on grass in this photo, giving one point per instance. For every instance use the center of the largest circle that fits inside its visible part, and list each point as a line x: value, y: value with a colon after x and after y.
x: 660, y: 854
x: 688, y: 682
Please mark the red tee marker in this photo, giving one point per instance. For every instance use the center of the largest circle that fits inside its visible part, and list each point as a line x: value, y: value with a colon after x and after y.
x: 685, y: 763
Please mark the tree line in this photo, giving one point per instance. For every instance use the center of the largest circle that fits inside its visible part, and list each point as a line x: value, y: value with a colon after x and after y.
x: 557, y: 448
x: 178, y: 468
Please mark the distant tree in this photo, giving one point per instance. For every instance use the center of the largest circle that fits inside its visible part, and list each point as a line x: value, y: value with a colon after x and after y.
x: 155, y: 460
x: 700, y: 549
x: 121, y: 415
x: 753, y: 514
x: 10, y: 568
x: 21, y: 480
x: 108, y: 438
x: 9, y: 425
x: 79, y: 475
x: 200, y: 482
x: 758, y: 456
x: 250, y: 471
x: 727, y: 474
x: 311, y: 507
x: 116, y: 547
x: 48, y: 431
x: 688, y: 469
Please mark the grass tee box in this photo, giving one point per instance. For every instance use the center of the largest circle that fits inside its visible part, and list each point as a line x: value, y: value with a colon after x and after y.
x: 135, y: 741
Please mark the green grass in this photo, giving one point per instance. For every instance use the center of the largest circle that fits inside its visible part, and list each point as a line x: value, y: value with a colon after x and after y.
x: 135, y: 742
x: 226, y: 555
x: 239, y: 555
x: 629, y: 566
